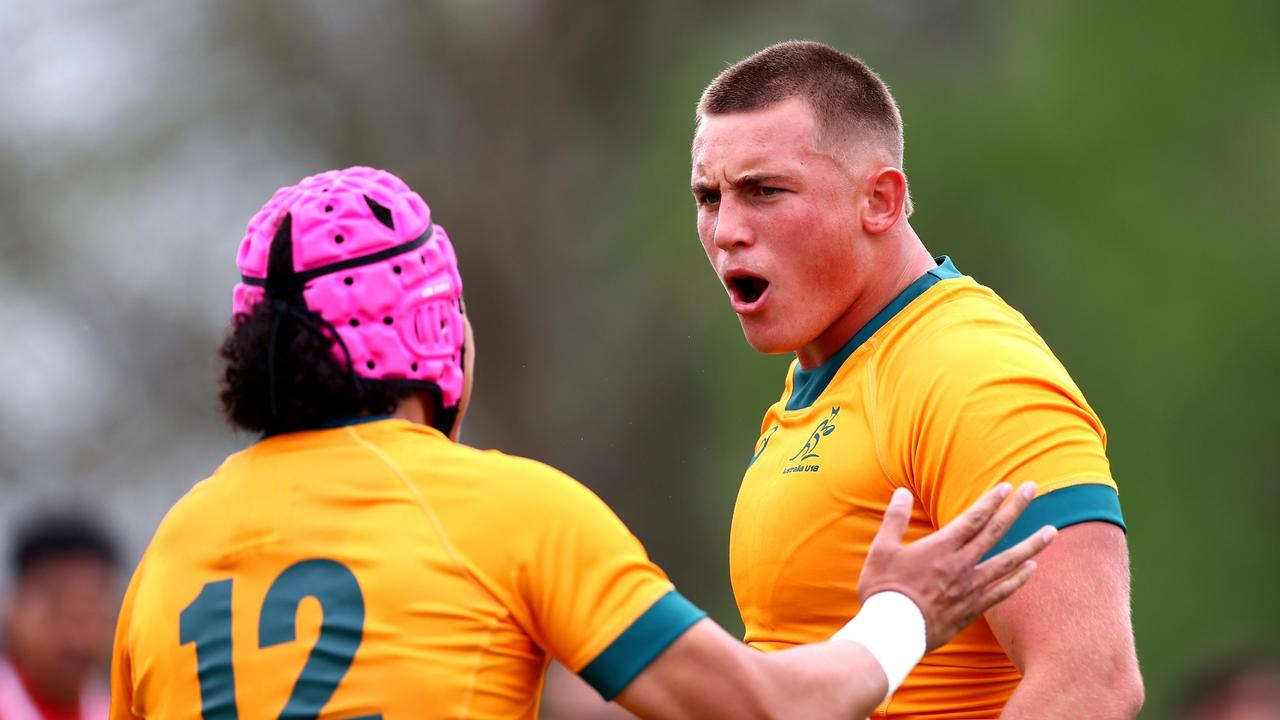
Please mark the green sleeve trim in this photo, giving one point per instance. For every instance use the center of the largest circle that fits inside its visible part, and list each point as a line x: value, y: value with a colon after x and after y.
x: 639, y: 645
x: 1062, y: 508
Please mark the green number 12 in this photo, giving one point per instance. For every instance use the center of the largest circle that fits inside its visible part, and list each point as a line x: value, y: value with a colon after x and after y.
x: 207, y: 623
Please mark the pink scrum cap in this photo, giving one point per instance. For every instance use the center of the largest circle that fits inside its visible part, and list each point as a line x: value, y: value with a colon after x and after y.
x: 358, y: 247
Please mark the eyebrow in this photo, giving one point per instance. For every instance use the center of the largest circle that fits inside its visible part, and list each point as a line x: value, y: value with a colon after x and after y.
x: 750, y: 179
x: 757, y: 178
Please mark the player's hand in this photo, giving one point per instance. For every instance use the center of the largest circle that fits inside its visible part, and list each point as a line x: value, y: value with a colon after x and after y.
x: 941, y: 573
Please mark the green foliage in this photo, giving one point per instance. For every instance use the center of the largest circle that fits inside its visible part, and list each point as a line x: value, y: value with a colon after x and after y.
x: 1108, y: 168
x: 1104, y: 168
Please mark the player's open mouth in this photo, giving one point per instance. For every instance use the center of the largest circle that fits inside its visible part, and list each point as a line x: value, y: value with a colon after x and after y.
x: 746, y: 291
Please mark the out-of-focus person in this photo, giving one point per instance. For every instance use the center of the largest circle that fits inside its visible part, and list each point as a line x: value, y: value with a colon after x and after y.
x: 57, y: 620
x: 1245, y: 688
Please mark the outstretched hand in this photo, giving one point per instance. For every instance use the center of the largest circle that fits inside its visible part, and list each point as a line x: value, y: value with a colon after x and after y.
x: 941, y: 573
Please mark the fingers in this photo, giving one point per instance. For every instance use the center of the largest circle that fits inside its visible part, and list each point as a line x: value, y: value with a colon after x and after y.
x: 996, y: 593
x: 1007, y: 561
x: 994, y: 530
x: 962, y: 529
x: 896, y: 518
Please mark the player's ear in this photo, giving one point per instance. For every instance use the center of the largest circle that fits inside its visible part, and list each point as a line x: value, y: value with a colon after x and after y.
x: 468, y: 376
x: 886, y: 193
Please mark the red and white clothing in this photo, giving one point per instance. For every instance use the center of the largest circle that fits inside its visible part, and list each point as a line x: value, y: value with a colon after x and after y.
x: 19, y: 702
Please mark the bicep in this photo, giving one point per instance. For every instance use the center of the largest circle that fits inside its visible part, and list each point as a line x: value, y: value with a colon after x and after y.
x: 1074, y: 614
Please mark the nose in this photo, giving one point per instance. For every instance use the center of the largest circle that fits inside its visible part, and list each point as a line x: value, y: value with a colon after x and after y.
x: 732, y: 228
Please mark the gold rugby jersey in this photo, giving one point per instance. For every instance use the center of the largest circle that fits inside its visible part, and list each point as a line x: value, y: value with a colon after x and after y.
x: 946, y: 392
x: 379, y: 570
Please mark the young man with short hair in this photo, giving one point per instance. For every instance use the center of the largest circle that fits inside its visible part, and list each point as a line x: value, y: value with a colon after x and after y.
x: 359, y: 562
x: 908, y: 374
x: 57, y: 619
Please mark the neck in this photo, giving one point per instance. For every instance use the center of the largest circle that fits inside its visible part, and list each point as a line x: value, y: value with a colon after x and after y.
x: 415, y: 409
x: 907, y: 260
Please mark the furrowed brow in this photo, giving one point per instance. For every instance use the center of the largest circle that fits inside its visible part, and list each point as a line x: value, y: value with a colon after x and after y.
x: 760, y: 178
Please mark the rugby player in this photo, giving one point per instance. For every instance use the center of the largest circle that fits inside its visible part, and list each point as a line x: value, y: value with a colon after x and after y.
x: 907, y: 374
x: 359, y: 562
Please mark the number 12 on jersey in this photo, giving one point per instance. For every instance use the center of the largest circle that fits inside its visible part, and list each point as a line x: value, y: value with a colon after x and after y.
x: 207, y: 623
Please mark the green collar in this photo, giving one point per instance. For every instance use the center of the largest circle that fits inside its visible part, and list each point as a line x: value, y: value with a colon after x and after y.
x: 807, y: 385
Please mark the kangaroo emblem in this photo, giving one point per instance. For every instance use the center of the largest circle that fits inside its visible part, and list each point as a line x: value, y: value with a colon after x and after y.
x: 825, y: 428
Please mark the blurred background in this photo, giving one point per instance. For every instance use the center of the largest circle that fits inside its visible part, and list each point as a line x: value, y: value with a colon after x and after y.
x: 1106, y: 167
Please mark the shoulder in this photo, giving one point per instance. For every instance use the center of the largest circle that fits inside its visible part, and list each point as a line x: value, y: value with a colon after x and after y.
x: 188, y: 519
x: 514, y: 475
x: 536, y: 483
x: 495, y: 488
x: 538, y: 488
x: 430, y: 461
x: 188, y: 526
x: 965, y: 334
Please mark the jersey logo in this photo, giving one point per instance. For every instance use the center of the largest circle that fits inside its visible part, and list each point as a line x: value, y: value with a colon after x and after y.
x: 810, y: 449
x: 761, y: 445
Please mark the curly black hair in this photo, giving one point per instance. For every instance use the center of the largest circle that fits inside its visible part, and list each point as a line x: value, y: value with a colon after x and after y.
x: 281, y: 375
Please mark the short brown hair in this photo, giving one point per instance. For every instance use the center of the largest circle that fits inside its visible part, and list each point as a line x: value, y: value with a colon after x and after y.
x: 847, y: 97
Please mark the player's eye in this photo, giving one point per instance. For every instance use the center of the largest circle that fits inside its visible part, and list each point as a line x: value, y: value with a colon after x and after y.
x: 708, y: 198
x: 770, y: 191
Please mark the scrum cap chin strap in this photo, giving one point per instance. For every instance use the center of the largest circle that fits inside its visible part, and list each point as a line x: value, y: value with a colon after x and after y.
x: 284, y: 286
x: 284, y: 289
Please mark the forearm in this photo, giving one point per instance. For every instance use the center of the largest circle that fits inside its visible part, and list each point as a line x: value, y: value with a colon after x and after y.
x: 709, y: 674
x: 850, y: 674
x: 837, y: 679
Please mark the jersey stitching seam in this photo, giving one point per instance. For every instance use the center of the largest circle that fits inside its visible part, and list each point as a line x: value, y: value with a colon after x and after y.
x: 453, y: 553
x: 428, y: 511
x: 873, y: 389
x: 475, y: 671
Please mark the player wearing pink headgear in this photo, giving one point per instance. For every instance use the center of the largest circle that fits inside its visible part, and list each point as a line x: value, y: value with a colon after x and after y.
x: 358, y: 562
x: 353, y: 255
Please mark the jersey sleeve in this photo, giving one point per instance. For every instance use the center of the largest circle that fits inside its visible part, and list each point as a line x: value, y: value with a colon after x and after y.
x: 597, y: 603
x: 989, y: 403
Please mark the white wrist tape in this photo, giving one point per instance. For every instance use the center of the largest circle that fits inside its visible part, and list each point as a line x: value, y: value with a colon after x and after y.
x: 891, y: 627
